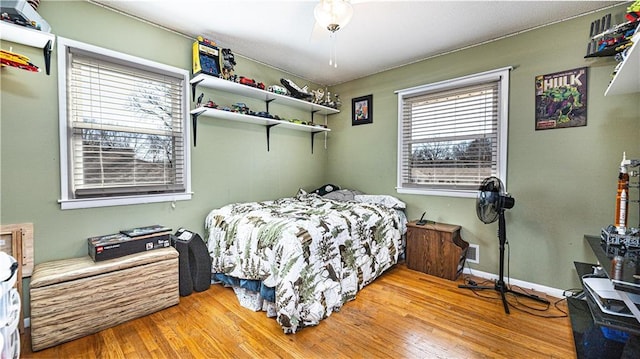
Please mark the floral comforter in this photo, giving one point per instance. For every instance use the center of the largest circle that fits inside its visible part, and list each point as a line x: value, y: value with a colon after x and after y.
x: 317, y: 253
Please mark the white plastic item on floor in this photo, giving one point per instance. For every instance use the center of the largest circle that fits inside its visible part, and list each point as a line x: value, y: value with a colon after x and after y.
x: 10, y: 306
x: 11, y: 345
x: 8, y: 272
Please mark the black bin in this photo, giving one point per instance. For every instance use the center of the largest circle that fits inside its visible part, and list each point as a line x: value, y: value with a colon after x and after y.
x: 194, y: 262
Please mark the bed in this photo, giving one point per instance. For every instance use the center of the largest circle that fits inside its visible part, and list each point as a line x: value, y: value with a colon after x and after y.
x: 301, y: 258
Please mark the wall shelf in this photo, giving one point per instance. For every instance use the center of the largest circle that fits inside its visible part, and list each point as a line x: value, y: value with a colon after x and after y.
x: 30, y: 37
x: 256, y: 120
x: 627, y: 78
x: 255, y: 93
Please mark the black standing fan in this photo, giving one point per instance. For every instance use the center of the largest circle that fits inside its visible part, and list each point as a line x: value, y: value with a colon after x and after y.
x: 490, y: 205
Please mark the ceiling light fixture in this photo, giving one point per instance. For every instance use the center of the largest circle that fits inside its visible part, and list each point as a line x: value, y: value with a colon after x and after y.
x: 333, y: 15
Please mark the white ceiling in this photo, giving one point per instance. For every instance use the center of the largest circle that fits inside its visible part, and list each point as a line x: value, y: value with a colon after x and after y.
x: 381, y: 35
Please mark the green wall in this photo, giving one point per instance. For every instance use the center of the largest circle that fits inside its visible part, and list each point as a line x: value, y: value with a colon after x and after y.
x: 564, y: 180
x: 229, y: 164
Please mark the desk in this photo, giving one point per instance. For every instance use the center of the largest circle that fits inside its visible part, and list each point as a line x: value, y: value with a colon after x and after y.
x: 597, y: 334
x: 590, y: 340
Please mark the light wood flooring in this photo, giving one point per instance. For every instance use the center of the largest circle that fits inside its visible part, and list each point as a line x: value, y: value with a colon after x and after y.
x: 403, y: 314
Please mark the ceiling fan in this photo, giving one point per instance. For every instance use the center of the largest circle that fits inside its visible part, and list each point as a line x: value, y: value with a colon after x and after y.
x: 331, y: 16
x: 491, y: 203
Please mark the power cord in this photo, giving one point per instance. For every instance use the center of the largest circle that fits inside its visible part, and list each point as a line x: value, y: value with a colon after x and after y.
x: 467, y: 277
x: 506, y: 243
x: 518, y: 305
x: 575, y: 292
x: 468, y: 281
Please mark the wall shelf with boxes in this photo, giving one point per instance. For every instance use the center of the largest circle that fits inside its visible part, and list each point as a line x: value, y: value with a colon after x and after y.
x: 216, y: 83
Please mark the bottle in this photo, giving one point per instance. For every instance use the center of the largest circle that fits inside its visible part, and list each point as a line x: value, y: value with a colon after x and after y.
x: 622, y: 197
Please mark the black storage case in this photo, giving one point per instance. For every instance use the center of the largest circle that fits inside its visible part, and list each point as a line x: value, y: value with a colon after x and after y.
x: 119, y: 245
x: 194, y: 262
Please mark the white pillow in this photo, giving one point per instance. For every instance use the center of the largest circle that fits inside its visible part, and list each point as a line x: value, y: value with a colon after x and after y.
x: 382, y: 199
x: 342, y: 195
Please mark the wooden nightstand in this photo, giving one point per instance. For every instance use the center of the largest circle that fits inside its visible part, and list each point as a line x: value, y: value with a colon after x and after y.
x: 436, y: 249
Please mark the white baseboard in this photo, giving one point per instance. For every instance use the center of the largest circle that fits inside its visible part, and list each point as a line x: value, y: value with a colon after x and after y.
x: 554, y: 292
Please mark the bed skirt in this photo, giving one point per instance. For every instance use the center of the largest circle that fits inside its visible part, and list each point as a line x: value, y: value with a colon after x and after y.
x: 251, y: 294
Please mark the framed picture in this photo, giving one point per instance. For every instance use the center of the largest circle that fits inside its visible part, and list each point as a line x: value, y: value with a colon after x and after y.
x: 561, y: 99
x: 362, y: 110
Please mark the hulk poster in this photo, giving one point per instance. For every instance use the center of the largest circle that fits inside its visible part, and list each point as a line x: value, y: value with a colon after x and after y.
x: 561, y: 99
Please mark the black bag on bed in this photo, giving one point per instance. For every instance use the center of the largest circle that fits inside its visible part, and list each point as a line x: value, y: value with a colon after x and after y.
x: 194, y: 262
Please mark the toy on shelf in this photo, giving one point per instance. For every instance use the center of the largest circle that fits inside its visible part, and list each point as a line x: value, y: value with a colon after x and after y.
x: 264, y: 114
x: 240, y: 107
x: 9, y: 58
x: 211, y: 104
x: 619, y: 233
x: 622, y: 198
x: 21, y: 13
x: 330, y: 102
x: 278, y: 89
x: 324, y: 98
x: 318, y: 96
x: 633, y: 11
x: 250, y: 82
x: 228, y: 64
x: 296, y: 91
x: 206, y: 57
x: 608, y: 40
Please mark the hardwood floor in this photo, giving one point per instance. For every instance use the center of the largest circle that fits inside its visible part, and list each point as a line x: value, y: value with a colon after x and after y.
x: 403, y: 314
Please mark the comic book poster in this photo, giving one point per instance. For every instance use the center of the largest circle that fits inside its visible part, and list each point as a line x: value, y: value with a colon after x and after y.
x: 561, y: 99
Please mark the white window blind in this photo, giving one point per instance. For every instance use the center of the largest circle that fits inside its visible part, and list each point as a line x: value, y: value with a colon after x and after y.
x: 449, y: 137
x: 125, y: 128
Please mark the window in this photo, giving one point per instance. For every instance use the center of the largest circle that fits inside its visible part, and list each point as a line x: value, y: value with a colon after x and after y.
x: 453, y: 134
x: 123, y: 133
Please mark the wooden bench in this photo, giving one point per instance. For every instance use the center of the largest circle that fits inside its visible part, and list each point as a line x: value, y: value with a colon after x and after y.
x: 75, y: 297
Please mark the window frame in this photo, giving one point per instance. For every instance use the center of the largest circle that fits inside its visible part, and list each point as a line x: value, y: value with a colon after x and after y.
x: 66, y: 198
x: 501, y: 75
